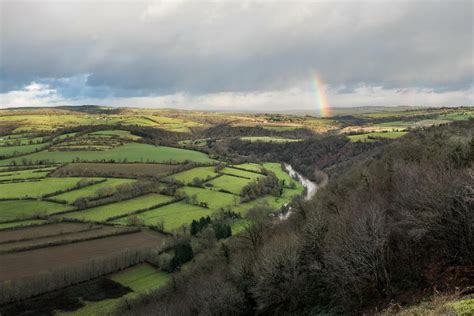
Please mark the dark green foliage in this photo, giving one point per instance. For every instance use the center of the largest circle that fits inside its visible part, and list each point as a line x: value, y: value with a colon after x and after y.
x: 183, y: 253
x: 222, y: 230
x: 262, y: 186
x: 198, y: 226
x: 69, y: 299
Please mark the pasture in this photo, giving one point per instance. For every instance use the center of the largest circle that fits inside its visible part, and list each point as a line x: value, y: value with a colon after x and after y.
x: 213, y: 199
x: 241, y: 173
x: 229, y: 183
x: 172, y: 215
x: 117, y: 170
x: 25, y: 174
x: 108, y: 185
x: 22, y: 209
x: 186, y: 177
x: 10, y: 151
x: 36, y: 189
x: 131, y: 152
x: 370, y: 137
x: 121, y: 208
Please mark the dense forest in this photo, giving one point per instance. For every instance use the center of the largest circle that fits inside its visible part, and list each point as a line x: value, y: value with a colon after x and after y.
x: 396, y: 225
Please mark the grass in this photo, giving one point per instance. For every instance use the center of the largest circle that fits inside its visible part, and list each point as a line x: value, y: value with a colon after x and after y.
x: 102, y: 213
x: 172, y: 215
x: 9, y: 151
x: 36, y: 189
x: 116, y: 133
x: 22, y: 223
x: 370, y: 136
x: 14, y: 210
x: 250, y: 166
x: 213, y: 199
x: 131, y: 152
x: 90, y: 190
x: 282, y: 175
x: 241, y: 173
x: 229, y: 183
x: 141, y: 279
x: 25, y: 174
x: 267, y: 139
x: 202, y: 173
x: 275, y: 203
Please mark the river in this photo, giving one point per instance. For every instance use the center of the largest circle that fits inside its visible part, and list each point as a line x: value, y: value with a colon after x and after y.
x: 310, y: 186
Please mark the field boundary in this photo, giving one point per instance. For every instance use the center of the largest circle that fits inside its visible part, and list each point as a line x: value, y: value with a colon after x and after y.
x: 67, y: 242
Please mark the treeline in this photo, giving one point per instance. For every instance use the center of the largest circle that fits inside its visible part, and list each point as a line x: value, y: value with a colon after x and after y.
x: 327, y: 153
x: 262, y: 186
x: 117, y: 193
x: 399, y: 222
x: 24, y: 288
x: 227, y: 130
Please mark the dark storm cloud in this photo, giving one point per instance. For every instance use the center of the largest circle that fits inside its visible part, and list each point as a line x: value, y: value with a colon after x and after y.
x: 153, y: 48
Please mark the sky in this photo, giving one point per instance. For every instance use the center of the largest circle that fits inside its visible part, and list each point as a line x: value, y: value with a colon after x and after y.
x: 236, y: 55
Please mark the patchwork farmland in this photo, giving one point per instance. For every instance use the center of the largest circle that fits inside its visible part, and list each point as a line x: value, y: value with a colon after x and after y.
x: 102, y: 206
x: 103, y: 201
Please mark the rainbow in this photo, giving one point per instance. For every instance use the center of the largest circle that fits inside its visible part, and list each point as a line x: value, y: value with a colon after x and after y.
x: 323, y: 107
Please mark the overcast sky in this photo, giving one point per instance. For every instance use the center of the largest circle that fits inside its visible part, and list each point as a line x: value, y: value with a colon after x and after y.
x: 239, y: 55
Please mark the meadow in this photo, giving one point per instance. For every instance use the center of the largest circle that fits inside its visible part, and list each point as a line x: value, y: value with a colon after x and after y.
x: 131, y: 152
x: 370, y: 137
x: 121, y: 208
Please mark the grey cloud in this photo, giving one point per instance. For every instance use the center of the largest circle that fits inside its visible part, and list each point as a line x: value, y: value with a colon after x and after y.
x: 153, y: 48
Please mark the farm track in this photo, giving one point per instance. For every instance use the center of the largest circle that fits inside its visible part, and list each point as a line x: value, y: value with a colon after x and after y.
x: 19, y: 265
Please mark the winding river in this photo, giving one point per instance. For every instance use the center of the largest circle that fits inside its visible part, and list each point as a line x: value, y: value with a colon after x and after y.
x: 310, y: 186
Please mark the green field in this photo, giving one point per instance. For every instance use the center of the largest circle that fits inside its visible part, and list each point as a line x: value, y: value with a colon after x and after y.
x: 9, y: 151
x: 250, y: 166
x: 141, y: 279
x: 282, y: 175
x: 116, y: 133
x: 213, y: 199
x: 131, y: 152
x: 172, y: 215
x: 21, y: 224
x: 90, y: 190
x: 241, y: 173
x: 25, y: 174
x: 186, y: 177
x: 104, y: 212
x: 229, y: 183
x: 370, y: 136
x: 14, y: 210
x: 267, y: 139
x: 36, y: 189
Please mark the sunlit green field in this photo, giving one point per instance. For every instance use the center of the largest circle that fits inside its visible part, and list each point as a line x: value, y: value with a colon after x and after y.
x: 15, y: 209
x: 9, y: 151
x: 132, y: 152
x: 104, y: 212
x: 19, y: 224
x: 372, y: 136
x: 25, y: 174
x: 91, y: 190
x: 241, y: 173
x: 36, y: 189
x: 213, y: 199
x: 172, y: 215
x: 202, y: 173
x: 229, y: 183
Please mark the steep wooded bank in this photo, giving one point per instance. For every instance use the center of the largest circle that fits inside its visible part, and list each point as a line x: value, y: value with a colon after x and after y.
x: 393, y: 226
